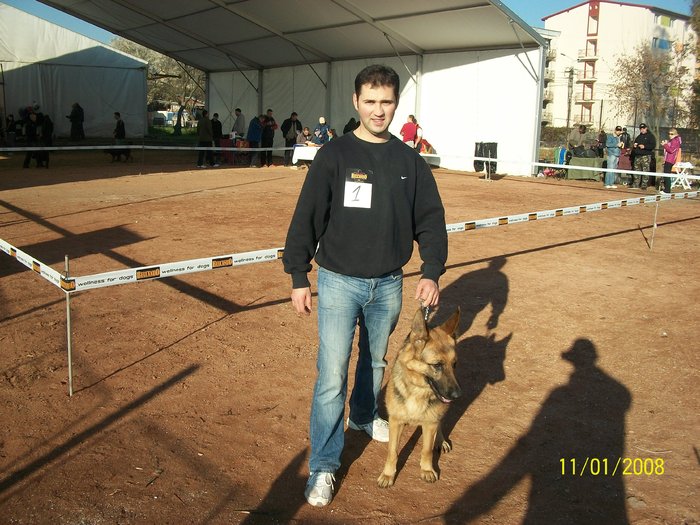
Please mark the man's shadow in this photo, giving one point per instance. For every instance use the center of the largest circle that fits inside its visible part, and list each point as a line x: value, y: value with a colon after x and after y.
x: 571, y: 453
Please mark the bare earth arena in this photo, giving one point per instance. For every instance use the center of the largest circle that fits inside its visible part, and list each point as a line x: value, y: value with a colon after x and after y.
x: 578, y: 355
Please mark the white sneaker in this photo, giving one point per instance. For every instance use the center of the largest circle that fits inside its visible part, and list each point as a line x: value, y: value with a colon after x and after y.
x: 612, y: 186
x: 378, y: 429
x: 319, y: 489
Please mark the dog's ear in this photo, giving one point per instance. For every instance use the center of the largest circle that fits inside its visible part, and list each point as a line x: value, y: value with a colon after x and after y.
x: 450, y: 326
x: 419, y: 330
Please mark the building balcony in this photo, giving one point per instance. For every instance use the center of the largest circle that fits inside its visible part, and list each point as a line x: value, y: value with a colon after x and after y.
x: 548, y: 74
x: 548, y: 95
x: 551, y: 53
x: 583, y: 98
x: 546, y: 116
x: 583, y: 76
x: 584, y: 56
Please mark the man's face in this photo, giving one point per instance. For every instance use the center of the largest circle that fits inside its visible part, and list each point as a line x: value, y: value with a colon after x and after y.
x: 376, y: 107
x: 642, y: 130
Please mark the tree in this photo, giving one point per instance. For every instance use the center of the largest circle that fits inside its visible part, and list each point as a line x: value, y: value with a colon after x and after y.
x: 168, y: 79
x: 654, y: 85
x: 695, y: 101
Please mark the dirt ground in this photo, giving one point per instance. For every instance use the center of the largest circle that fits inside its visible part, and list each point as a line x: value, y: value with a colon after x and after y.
x: 192, y: 393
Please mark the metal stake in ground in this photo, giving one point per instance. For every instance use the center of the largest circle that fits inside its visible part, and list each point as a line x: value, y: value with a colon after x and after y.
x: 653, y: 230
x: 69, y: 338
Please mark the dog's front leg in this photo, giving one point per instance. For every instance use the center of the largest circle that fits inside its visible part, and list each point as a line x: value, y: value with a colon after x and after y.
x: 386, y: 479
x: 427, y: 472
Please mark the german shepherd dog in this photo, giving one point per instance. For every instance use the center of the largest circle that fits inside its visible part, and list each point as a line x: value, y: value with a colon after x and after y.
x: 421, y: 386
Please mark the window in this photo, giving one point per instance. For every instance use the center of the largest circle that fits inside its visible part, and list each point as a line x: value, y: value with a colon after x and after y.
x: 661, y: 43
x: 663, y: 20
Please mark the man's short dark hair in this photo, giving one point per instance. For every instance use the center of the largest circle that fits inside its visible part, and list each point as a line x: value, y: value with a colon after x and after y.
x: 237, y: 109
x: 294, y: 114
x: 116, y: 114
x: 377, y: 75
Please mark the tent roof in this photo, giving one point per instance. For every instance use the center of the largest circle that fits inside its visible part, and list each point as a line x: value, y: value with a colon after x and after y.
x: 25, y: 38
x: 224, y: 35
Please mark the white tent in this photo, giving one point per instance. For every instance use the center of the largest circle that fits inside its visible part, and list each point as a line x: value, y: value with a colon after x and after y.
x: 471, y: 70
x: 54, y: 67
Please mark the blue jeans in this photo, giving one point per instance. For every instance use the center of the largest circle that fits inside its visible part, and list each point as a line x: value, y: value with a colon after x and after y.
x: 612, y: 164
x: 343, y: 303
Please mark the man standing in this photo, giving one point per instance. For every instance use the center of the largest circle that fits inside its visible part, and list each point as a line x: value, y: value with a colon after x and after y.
x: 239, y: 124
x: 268, y: 138
x: 255, y: 129
x: 119, y: 135
x: 217, y: 134
x: 643, y: 149
x: 408, y: 131
x: 365, y: 200
x: 291, y: 127
x: 614, y: 144
x: 205, y: 137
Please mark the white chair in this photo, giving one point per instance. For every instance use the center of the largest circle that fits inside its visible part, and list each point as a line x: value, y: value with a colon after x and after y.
x: 681, y: 179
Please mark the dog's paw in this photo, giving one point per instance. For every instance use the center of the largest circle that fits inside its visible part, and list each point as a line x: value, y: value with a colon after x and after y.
x: 446, y: 446
x: 429, y: 476
x: 384, y: 481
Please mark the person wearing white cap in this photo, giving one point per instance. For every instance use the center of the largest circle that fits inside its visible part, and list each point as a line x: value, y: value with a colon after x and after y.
x: 321, y: 131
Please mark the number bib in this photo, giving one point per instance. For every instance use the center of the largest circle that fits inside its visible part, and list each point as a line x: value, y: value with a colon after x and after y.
x: 358, y: 189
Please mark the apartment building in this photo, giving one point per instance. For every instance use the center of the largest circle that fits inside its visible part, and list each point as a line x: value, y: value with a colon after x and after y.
x: 586, y: 41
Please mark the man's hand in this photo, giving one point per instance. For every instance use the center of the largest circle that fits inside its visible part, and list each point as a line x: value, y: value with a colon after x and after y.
x: 428, y: 292
x: 301, y: 300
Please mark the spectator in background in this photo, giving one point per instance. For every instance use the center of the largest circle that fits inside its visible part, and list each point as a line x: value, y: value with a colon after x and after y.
x: 575, y: 142
x: 408, y: 131
x: 10, y: 131
x: 217, y: 134
x: 625, y: 138
x: 46, y: 140
x: 331, y: 134
x: 76, y: 117
x: 672, y: 155
x: 268, y: 138
x: 614, y: 146
x: 600, y: 143
x: 291, y: 127
x: 255, y: 129
x: 31, y: 132
x: 239, y: 124
x: 305, y: 138
x: 643, y: 149
x: 321, y: 131
x: 205, y: 137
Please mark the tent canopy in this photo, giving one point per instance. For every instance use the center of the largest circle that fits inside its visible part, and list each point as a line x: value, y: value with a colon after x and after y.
x: 228, y: 35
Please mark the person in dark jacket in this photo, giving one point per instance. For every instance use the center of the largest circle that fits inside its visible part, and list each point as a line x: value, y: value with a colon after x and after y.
x: 46, y: 140
x: 366, y: 199
x: 291, y: 127
x: 268, y: 138
x: 254, y: 135
x: 76, y: 117
x: 643, y: 149
x: 205, y: 136
x: 31, y: 132
x: 217, y: 134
